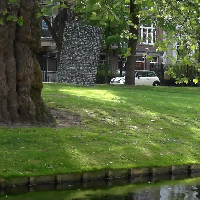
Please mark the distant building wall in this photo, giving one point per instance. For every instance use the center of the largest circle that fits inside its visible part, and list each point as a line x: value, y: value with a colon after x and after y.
x: 80, y: 54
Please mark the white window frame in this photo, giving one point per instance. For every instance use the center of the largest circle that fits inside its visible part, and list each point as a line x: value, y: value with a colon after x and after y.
x: 155, y: 62
x: 149, y: 29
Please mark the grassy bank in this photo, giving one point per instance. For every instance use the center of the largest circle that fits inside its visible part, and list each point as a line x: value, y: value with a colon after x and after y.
x: 122, y: 127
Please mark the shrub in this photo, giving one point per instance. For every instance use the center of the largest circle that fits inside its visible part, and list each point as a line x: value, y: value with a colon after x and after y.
x: 101, y: 73
x: 184, y: 74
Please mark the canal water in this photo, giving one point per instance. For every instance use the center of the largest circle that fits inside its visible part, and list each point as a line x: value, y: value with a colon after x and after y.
x: 186, y: 189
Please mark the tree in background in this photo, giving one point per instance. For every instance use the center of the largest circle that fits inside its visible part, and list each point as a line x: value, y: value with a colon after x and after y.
x: 180, y: 21
x: 132, y: 44
x: 111, y: 16
x: 56, y: 24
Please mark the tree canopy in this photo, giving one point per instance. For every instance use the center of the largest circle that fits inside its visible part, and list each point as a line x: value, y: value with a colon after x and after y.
x: 181, y: 22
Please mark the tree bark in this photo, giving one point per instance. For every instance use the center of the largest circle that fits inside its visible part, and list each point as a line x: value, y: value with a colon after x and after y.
x: 107, y: 64
x: 131, y: 60
x: 20, y: 74
x: 198, y: 50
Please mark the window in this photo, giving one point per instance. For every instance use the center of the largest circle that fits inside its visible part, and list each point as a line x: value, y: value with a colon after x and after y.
x: 151, y: 74
x: 45, y: 33
x: 142, y: 74
x: 140, y: 58
x: 147, y: 34
x: 102, y: 58
x: 140, y: 62
x: 44, y: 25
x: 154, y: 59
x: 52, y: 64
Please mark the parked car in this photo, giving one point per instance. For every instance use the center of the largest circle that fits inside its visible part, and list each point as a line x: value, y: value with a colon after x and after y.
x: 142, y: 77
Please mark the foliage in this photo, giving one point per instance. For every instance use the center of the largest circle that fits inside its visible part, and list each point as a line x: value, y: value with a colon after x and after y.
x: 55, y: 14
x: 101, y: 72
x: 180, y: 21
x: 111, y: 16
x: 182, y: 73
x: 10, y: 15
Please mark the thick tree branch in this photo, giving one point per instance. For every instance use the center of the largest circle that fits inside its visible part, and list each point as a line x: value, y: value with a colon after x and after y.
x: 51, y: 29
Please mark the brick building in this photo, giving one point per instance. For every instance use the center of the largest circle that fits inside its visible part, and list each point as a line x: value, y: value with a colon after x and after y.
x: 145, y: 48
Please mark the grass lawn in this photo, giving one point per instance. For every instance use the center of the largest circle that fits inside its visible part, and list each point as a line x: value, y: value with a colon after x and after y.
x: 122, y: 127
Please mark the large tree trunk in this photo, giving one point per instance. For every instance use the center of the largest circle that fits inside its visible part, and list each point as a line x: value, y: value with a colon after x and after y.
x: 131, y: 60
x: 20, y: 74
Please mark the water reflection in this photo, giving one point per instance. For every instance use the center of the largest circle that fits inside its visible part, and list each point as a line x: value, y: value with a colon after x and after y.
x: 188, y: 189
x: 177, y: 192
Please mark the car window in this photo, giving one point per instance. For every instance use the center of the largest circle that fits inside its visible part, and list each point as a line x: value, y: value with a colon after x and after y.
x: 142, y: 74
x: 151, y: 74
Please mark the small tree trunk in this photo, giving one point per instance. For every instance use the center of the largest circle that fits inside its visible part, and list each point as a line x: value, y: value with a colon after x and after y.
x: 199, y: 50
x: 162, y: 74
x: 58, y: 26
x: 131, y: 60
x: 20, y: 77
x: 107, y: 64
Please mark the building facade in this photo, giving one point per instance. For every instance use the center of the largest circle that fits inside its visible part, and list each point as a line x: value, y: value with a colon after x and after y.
x: 148, y: 35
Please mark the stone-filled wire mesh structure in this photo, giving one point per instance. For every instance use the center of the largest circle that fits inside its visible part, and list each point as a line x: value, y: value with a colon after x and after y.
x: 80, y: 54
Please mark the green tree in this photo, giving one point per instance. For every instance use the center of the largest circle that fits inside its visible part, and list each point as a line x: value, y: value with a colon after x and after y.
x: 180, y: 21
x: 56, y: 24
x: 111, y: 16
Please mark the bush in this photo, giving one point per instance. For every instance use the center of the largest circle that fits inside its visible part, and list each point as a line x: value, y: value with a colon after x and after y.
x: 186, y: 75
x: 101, y: 72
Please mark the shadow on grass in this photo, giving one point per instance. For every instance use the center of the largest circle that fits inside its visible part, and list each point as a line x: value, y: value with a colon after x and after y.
x: 137, y: 126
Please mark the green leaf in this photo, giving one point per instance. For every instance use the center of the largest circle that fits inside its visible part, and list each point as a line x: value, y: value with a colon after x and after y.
x: 11, y: 18
x: 12, y: 1
x: 44, y: 10
x: 5, y: 12
x: 1, y: 21
x: 182, y: 8
x: 185, y: 81
x: 193, y: 47
x: 39, y: 15
x: 20, y: 21
x: 150, y: 58
x: 93, y: 16
x: 195, y: 80
x: 63, y: 6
